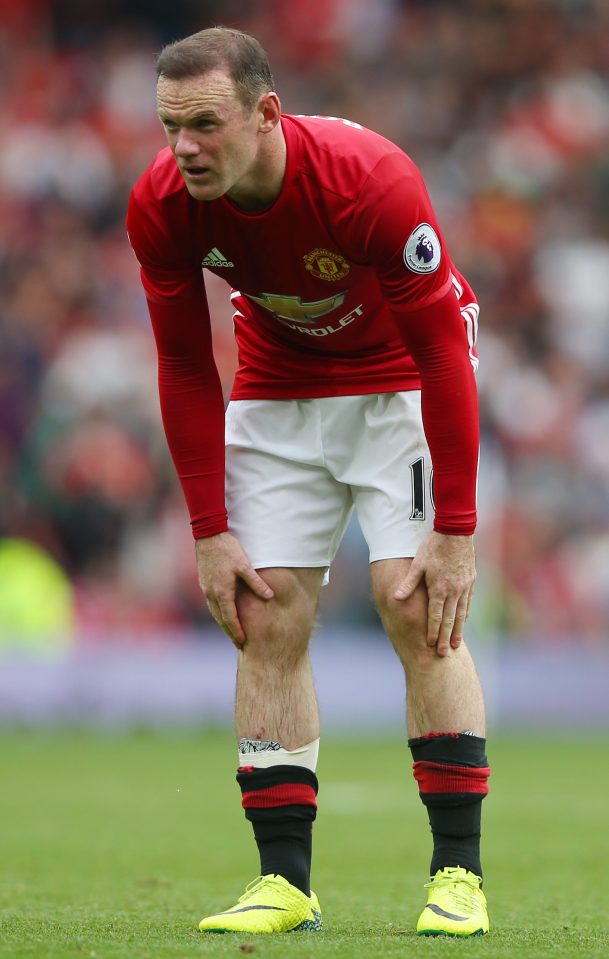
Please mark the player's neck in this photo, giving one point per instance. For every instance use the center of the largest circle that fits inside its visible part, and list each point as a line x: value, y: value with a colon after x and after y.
x: 259, y: 189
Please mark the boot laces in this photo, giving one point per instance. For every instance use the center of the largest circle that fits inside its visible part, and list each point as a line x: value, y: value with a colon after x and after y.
x: 252, y: 887
x: 462, y: 889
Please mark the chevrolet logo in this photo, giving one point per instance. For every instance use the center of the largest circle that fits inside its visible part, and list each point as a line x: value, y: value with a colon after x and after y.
x: 292, y: 308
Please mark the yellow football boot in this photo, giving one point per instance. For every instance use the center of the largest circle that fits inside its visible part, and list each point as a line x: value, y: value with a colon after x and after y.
x: 269, y: 904
x: 456, y: 905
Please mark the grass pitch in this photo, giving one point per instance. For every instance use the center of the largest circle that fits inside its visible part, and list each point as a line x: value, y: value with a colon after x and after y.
x: 114, y: 845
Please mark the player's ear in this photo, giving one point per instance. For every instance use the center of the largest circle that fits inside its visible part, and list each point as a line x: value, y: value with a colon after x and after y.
x: 269, y: 112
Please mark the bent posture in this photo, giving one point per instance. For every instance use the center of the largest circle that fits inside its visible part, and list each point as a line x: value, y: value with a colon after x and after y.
x: 355, y: 387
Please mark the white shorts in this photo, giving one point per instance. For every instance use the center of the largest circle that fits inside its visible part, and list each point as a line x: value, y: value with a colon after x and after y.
x: 296, y: 468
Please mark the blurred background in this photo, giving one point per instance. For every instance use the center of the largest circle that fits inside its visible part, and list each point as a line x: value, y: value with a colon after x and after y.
x: 505, y: 107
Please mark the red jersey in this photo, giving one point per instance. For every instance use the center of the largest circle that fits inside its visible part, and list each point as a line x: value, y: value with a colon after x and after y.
x: 328, y: 285
x: 316, y: 274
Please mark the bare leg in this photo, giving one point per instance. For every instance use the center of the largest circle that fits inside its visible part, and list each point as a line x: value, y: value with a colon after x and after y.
x: 444, y: 693
x: 444, y: 696
x: 275, y: 696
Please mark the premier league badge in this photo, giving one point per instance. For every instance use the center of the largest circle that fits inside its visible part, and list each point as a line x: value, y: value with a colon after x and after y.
x: 422, y: 253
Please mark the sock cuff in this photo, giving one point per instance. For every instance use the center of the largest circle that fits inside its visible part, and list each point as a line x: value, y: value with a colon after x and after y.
x: 288, y: 794
x: 450, y: 749
x: 438, y: 781
x: 277, y: 787
x: 250, y: 778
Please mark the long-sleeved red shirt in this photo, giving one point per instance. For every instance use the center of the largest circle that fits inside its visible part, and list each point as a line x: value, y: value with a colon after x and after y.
x: 343, y: 286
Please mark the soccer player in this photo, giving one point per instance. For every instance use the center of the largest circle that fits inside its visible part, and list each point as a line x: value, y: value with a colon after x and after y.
x: 355, y: 385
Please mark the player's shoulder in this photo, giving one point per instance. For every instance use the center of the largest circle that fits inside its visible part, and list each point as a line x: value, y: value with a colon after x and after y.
x: 342, y: 154
x: 161, y: 181
x: 339, y: 134
x: 158, y: 220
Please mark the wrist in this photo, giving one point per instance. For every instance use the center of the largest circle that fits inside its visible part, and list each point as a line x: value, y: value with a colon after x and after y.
x: 464, y: 525
x: 202, y: 542
x: 209, y: 526
x: 454, y: 536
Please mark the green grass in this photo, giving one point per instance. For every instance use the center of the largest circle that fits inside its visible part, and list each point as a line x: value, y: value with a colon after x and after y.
x: 115, y: 845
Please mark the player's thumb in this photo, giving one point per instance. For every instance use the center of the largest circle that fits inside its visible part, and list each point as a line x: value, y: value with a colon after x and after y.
x: 410, y: 583
x: 258, y: 586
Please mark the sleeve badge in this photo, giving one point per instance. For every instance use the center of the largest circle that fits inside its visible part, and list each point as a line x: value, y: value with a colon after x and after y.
x: 422, y: 253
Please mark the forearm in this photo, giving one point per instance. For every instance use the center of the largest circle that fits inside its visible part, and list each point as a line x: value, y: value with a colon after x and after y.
x: 437, y: 340
x: 450, y: 419
x: 193, y: 418
x: 192, y: 409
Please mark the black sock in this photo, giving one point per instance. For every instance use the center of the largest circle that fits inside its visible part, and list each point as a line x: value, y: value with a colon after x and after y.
x: 280, y: 803
x: 285, y: 849
x: 452, y: 772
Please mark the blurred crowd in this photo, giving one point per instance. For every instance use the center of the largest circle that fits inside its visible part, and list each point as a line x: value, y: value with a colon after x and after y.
x: 504, y: 106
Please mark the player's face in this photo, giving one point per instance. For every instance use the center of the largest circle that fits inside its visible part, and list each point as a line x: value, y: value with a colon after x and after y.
x: 214, y: 140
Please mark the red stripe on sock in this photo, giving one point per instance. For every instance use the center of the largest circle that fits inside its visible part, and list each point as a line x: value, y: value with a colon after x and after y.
x: 286, y: 794
x: 440, y: 778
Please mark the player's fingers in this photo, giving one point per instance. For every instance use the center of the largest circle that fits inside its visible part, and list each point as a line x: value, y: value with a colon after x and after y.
x: 446, y: 626
x: 232, y: 626
x: 435, y: 612
x: 470, y: 596
x: 256, y: 583
x: 215, y: 611
x: 224, y: 611
x: 410, y: 582
x: 460, y: 616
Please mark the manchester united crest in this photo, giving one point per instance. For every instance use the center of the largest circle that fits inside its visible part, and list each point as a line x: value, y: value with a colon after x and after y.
x: 326, y: 265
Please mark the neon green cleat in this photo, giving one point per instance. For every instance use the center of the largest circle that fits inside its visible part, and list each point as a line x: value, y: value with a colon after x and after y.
x: 456, y: 905
x: 269, y: 904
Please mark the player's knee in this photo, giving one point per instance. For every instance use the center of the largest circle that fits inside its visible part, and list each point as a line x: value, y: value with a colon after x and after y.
x: 279, y: 628
x: 408, y: 617
x: 406, y: 624
x: 290, y: 597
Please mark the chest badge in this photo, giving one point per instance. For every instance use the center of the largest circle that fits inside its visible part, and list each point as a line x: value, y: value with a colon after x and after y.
x: 293, y: 309
x: 326, y: 265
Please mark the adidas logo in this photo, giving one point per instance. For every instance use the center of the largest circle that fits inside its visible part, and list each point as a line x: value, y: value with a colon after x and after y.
x: 215, y: 258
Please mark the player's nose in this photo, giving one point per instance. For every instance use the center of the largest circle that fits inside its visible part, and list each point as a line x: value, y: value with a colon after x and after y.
x: 186, y: 145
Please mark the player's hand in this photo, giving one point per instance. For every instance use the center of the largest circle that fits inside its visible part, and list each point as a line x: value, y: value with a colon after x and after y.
x: 447, y: 567
x: 221, y: 564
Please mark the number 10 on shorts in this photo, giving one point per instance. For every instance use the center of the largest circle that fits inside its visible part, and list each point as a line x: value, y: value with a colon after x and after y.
x: 417, y: 479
